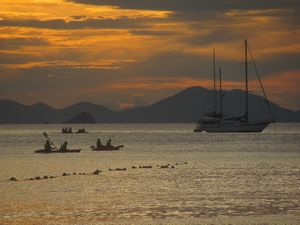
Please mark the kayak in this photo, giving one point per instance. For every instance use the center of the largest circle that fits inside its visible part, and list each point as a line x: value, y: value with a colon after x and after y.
x: 107, y: 148
x: 56, y: 151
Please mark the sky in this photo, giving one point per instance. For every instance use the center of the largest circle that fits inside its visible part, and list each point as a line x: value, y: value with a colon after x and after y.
x: 124, y: 53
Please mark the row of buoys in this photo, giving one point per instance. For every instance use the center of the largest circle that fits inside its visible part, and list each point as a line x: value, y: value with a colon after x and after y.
x: 51, y: 177
x: 166, y: 166
x: 97, y: 172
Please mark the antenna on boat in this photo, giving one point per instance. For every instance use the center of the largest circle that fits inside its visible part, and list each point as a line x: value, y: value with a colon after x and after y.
x: 221, y: 95
x: 214, y: 72
x: 246, y: 78
x: 261, y: 85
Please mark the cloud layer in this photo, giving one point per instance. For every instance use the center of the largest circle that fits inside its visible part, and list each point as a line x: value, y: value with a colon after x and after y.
x: 119, y: 51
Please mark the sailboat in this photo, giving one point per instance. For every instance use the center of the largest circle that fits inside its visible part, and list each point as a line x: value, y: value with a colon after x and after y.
x: 218, y: 122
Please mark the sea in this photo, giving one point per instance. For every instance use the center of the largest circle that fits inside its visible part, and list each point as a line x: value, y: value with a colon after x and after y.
x: 165, y: 174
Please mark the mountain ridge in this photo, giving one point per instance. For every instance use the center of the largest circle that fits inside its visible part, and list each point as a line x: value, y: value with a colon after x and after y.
x: 186, y: 106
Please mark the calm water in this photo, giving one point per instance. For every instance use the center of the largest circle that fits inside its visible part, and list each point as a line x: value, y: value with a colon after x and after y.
x: 228, y: 178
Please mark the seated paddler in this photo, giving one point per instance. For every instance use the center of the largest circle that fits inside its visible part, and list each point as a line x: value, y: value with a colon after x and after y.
x: 48, y: 146
x: 63, y: 147
x: 99, y: 144
x: 108, y: 143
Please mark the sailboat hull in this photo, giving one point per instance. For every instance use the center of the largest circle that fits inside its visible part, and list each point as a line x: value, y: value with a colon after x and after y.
x: 242, y: 127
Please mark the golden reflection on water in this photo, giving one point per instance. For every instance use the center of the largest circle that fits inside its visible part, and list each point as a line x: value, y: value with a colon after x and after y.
x: 233, y: 186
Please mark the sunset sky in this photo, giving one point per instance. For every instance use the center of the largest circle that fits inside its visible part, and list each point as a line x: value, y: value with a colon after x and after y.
x: 123, y: 53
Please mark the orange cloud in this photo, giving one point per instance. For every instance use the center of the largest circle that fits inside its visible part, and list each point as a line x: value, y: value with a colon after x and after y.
x: 284, y: 89
x: 288, y: 81
x: 68, y: 11
x: 100, y: 64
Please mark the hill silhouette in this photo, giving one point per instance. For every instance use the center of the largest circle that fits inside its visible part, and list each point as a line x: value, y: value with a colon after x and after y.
x: 187, y: 106
x: 82, y: 117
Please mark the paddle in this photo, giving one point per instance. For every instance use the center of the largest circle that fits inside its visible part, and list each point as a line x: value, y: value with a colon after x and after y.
x: 47, y: 137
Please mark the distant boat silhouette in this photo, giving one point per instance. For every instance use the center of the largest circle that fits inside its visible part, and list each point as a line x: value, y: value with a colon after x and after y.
x: 107, y: 148
x: 218, y: 122
x: 67, y: 130
x: 81, y: 131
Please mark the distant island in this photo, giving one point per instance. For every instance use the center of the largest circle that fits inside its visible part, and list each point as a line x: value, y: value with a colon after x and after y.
x: 82, y: 117
x: 186, y: 106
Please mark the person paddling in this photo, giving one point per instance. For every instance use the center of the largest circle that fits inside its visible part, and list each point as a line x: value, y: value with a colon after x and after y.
x: 108, y: 143
x: 63, y: 147
x: 99, y: 144
x: 48, y: 146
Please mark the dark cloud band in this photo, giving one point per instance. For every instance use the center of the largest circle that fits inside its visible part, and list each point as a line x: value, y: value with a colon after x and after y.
x: 194, y: 5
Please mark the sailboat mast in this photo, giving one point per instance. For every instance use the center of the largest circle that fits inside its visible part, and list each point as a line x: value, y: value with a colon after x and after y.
x: 214, y: 71
x: 246, y: 78
x: 221, y: 98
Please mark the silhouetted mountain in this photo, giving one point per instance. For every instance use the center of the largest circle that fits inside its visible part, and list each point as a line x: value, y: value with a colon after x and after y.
x: 192, y: 103
x: 14, y: 112
x: 83, y: 117
x: 188, y: 105
x: 99, y: 112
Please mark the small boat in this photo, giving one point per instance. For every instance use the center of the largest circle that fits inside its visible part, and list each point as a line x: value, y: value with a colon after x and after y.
x: 51, y: 148
x: 107, y: 148
x: 67, y: 130
x: 57, y: 151
x: 81, y: 131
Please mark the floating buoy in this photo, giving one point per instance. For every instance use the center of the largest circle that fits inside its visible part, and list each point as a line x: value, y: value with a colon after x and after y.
x: 117, y: 169
x: 145, y: 167
x: 96, y: 172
